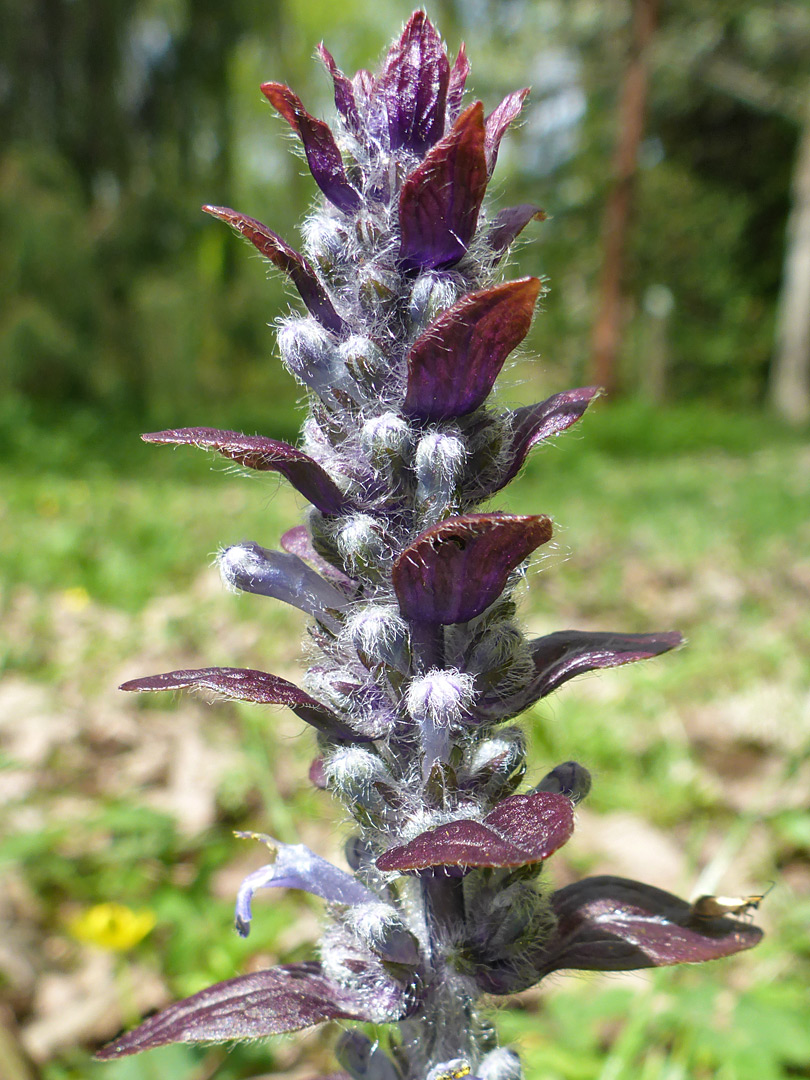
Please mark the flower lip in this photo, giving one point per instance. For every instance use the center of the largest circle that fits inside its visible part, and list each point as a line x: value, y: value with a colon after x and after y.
x: 296, y: 867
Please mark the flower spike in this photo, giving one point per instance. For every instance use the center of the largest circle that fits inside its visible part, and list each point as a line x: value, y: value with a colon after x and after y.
x: 416, y: 651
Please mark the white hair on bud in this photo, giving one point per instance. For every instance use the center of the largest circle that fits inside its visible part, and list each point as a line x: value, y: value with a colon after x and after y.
x: 371, y: 922
x: 359, y: 540
x: 439, y: 459
x: 235, y: 562
x: 350, y: 765
x: 325, y: 239
x: 304, y: 342
x: 387, y: 433
x: 431, y: 295
x: 508, y: 744
x: 442, y: 697
x: 500, y: 1064
x: 377, y: 630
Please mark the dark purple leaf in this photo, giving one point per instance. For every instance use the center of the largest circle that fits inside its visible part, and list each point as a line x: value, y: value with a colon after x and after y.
x: 410, y: 94
x: 458, y: 78
x: 267, y: 455
x: 561, y: 656
x: 454, y: 570
x: 440, y: 200
x: 510, y: 223
x: 298, y: 542
x: 285, y: 258
x: 344, y: 92
x: 285, y: 998
x: 245, y: 684
x: 520, y: 831
x: 532, y: 425
x: 453, y: 365
x: 323, y: 157
x: 498, y: 121
x: 613, y: 924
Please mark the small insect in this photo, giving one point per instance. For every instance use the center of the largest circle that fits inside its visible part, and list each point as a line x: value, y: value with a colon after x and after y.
x: 712, y: 907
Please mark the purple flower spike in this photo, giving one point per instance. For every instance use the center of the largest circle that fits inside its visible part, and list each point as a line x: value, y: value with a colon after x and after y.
x: 613, y: 924
x: 498, y: 121
x: 440, y: 200
x: 245, y: 684
x: 285, y: 577
x: 410, y: 95
x: 454, y: 570
x: 509, y: 224
x: 286, y: 259
x: 265, y: 455
x: 296, y: 867
x: 453, y: 365
x: 323, y: 157
x: 458, y: 79
x: 520, y: 831
x: 283, y: 999
x: 535, y: 423
x: 344, y: 92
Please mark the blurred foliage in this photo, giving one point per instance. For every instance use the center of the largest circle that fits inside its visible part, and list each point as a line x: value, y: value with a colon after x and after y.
x: 117, y: 120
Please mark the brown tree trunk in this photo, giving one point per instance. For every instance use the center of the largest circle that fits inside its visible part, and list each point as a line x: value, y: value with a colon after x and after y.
x: 632, y: 103
x: 789, y: 385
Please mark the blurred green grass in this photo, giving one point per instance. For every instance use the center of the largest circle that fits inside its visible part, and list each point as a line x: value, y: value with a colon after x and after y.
x: 686, y: 518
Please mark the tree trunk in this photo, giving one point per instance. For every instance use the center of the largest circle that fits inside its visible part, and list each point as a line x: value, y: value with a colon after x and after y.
x: 632, y: 103
x: 789, y: 387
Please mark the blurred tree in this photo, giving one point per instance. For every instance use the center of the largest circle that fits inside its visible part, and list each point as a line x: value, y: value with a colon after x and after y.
x: 632, y: 104
x: 118, y: 119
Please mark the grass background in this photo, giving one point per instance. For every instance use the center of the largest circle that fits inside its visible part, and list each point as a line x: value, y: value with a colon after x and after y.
x: 682, y: 518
